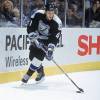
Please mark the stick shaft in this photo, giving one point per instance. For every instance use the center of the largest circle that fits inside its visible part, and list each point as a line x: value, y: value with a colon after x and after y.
x: 66, y: 74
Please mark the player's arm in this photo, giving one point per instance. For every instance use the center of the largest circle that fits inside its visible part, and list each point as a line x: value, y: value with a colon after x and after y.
x: 32, y: 29
x: 56, y: 31
x: 53, y: 40
x: 33, y: 24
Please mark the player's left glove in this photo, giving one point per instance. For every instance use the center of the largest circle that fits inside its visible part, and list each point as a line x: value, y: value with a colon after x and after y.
x: 33, y: 36
x: 49, y: 54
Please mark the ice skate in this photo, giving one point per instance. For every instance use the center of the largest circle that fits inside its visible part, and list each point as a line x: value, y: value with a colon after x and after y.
x: 41, y: 76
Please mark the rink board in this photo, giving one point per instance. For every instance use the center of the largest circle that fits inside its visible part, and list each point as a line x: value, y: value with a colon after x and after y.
x: 50, y: 70
x: 81, y: 52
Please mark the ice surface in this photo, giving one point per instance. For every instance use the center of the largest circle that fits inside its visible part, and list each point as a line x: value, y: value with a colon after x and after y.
x: 55, y: 88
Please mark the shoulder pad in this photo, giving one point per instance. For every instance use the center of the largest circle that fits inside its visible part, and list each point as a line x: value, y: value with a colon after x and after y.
x: 38, y: 12
x: 57, y: 19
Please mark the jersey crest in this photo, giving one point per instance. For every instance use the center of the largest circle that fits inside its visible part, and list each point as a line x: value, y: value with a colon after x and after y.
x: 43, y: 28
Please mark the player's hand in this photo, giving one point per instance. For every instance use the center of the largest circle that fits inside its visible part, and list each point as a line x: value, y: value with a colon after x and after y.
x: 49, y: 54
x: 32, y: 36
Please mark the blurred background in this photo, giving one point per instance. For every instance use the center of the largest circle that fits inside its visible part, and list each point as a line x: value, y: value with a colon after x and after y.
x: 73, y: 13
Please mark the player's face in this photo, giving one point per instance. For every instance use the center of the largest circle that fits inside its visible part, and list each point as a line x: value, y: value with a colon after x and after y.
x: 49, y: 15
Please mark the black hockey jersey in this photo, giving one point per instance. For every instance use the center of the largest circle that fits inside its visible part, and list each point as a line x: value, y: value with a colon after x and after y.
x: 49, y: 31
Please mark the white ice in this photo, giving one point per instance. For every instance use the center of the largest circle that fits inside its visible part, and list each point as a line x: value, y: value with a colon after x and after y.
x: 56, y: 87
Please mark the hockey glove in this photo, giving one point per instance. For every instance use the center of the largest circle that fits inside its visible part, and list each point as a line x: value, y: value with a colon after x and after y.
x: 49, y: 54
x: 33, y: 36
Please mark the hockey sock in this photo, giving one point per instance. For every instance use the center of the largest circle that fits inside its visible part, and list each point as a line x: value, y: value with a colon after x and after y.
x: 27, y: 75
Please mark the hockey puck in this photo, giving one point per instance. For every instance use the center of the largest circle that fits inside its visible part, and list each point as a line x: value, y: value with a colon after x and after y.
x: 78, y: 91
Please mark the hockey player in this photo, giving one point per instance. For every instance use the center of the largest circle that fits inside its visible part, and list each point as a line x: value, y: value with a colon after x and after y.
x: 44, y: 32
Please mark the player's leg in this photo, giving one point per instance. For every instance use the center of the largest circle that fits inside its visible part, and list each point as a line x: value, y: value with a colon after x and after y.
x: 27, y: 75
x: 36, y: 56
x: 40, y: 70
x: 40, y: 74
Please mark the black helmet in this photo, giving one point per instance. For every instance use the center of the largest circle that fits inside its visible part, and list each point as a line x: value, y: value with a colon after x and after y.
x: 50, y: 7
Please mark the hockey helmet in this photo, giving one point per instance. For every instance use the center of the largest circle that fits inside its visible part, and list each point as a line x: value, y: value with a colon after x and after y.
x: 50, y: 7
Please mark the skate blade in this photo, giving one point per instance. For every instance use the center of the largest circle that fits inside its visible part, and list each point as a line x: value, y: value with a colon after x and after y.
x: 23, y: 84
x: 37, y: 82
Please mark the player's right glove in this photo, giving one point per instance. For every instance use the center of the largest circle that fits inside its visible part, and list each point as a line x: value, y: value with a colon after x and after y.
x: 49, y: 54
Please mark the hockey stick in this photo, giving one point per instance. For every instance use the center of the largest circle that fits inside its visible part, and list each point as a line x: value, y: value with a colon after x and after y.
x: 80, y: 89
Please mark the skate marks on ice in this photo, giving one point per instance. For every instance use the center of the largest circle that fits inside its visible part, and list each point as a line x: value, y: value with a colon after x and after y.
x: 56, y: 87
x: 31, y: 86
x: 57, y: 83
